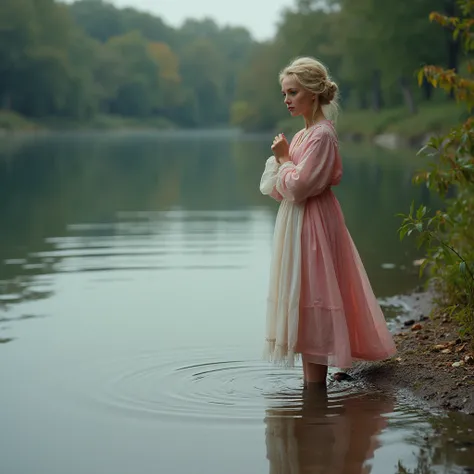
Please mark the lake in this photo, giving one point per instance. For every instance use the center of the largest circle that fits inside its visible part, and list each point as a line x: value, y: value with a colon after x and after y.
x: 133, y: 279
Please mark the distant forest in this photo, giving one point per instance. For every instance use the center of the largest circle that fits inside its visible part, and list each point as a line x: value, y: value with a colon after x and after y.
x: 90, y: 58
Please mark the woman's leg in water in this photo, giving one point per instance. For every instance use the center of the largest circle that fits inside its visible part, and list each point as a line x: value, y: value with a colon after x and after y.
x: 314, y: 373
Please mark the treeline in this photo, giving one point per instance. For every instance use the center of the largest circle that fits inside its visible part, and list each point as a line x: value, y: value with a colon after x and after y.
x: 372, y: 48
x: 77, y: 61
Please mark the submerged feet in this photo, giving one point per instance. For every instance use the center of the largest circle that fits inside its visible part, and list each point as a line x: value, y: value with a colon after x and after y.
x: 315, y: 375
x: 342, y: 376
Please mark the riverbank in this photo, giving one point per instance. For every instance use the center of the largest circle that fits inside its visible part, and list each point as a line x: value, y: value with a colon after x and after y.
x: 391, y: 128
x: 433, y: 362
x: 11, y: 122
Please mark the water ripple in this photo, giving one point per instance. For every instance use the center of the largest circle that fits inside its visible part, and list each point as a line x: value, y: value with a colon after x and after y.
x: 211, y: 388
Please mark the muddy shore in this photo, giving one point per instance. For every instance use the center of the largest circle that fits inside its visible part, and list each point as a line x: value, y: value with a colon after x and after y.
x: 433, y: 363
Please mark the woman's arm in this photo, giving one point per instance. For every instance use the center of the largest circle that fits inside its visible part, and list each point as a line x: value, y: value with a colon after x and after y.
x: 313, y: 174
x: 269, y: 179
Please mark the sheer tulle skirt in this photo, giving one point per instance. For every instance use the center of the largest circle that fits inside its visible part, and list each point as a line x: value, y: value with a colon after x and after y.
x: 340, y: 318
x: 320, y: 302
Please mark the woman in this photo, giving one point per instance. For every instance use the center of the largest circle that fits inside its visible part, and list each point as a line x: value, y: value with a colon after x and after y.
x: 320, y: 304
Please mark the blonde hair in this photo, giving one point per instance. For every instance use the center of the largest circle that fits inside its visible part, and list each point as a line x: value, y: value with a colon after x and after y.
x: 314, y: 77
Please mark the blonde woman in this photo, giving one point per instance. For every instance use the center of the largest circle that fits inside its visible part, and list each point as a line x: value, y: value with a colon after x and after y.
x: 320, y: 304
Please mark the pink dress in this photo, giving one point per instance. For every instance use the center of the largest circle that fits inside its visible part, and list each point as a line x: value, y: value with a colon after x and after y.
x: 320, y: 301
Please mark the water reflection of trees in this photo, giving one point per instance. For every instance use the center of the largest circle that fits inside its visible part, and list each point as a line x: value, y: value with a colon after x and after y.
x: 49, y: 183
x: 446, y: 446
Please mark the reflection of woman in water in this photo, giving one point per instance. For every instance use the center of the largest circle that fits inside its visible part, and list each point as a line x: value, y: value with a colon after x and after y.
x: 325, y: 436
x: 320, y: 303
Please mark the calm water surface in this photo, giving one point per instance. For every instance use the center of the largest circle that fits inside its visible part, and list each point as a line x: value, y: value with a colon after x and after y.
x: 133, y: 276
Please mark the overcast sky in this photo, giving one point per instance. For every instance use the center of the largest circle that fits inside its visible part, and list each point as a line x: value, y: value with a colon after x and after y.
x: 258, y: 16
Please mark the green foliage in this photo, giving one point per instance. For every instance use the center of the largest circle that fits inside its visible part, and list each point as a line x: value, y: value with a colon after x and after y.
x: 14, y: 121
x: 371, y: 48
x: 74, y: 62
x: 90, y: 57
x: 448, y: 234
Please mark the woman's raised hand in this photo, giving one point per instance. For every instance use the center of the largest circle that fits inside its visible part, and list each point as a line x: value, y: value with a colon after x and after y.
x: 281, y: 148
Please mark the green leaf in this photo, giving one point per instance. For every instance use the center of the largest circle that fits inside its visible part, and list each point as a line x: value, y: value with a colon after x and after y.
x: 403, y: 231
x: 448, y: 256
x: 421, y: 75
x: 422, y: 267
x: 420, y: 213
x: 424, y: 239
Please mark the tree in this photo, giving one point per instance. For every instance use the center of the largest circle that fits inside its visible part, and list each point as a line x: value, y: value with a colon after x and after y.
x: 99, y: 19
x: 202, y: 71
x: 395, y: 31
x: 138, y: 91
x: 169, y: 77
x: 258, y: 104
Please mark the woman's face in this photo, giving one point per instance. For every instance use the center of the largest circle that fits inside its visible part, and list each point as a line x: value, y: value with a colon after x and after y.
x: 298, y: 100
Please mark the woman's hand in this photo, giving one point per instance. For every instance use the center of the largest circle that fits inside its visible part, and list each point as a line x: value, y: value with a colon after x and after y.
x: 281, y: 149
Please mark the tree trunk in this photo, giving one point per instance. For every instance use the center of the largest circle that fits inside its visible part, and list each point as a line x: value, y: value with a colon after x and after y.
x: 363, y: 102
x: 427, y: 90
x: 6, y: 102
x: 377, y: 100
x: 408, y: 95
x: 453, y: 45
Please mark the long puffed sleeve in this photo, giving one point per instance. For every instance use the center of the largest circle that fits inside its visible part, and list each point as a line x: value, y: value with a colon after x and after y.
x: 313, y: 174
x: 269, y: 179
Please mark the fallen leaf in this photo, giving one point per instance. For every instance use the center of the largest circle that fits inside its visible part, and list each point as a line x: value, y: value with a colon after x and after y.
x: 446, y: 351
x: 416, y: 327
x: 458, y: 364
x: 461, y: 348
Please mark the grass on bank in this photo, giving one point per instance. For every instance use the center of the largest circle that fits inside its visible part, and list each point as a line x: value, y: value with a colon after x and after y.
x: 14, y: 122
x: 107, y: 122
x: 11, y: 121
x: 364, y: 125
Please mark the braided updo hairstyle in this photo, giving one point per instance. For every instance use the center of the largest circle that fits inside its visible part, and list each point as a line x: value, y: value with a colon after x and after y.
x: 314, y: 77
